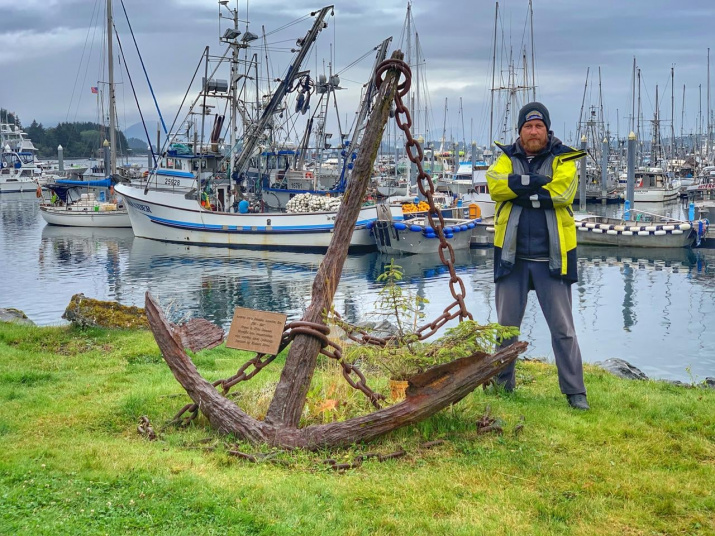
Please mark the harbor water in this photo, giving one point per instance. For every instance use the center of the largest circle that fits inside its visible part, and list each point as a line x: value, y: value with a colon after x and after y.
x: 653, y: 308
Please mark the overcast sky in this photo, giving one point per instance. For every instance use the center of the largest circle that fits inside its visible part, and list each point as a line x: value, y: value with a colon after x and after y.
x: 50, y: 54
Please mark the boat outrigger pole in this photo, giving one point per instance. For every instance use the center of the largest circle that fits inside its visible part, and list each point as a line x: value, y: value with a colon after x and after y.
x: 253, y: 134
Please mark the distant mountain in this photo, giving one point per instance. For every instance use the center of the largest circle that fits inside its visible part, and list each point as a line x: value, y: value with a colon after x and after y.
x: 136, y: 131
x: 137, y: 146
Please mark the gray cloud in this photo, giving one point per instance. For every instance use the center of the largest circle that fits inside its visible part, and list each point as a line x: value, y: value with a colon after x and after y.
x: 42, y: 43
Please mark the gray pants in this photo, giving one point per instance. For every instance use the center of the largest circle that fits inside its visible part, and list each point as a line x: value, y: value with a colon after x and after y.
x: 555, y: 299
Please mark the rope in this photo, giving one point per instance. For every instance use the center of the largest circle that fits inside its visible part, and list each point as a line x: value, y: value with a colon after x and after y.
x: 131, y: 82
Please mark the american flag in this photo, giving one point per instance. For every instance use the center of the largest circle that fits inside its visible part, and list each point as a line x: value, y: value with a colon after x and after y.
x: 94, y: 89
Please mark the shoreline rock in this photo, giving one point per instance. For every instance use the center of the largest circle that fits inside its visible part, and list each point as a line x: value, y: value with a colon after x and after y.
x: 15, y: 316
x: 88, y: 312
x: 623, y: 369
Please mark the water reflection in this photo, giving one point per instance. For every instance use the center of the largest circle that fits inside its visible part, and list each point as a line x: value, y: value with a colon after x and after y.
x: 651, y: 307
x: 216, y: 280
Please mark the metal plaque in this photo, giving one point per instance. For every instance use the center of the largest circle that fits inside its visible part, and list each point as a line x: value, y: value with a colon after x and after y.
x: 256, y: 331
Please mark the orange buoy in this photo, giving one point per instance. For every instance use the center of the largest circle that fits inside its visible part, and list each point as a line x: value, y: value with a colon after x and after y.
x: 475, y: 211
x: 38, y: 192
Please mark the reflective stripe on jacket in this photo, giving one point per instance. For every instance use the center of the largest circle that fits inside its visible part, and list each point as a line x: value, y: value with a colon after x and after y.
x: 511, y: 172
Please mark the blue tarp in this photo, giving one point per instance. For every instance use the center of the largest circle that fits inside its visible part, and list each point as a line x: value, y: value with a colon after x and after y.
x: 104, y: 182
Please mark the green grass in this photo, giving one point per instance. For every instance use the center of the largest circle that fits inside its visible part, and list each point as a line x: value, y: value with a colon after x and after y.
x: 641, y: 462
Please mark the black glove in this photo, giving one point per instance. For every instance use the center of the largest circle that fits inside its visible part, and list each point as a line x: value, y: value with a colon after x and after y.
x: 527, y: 183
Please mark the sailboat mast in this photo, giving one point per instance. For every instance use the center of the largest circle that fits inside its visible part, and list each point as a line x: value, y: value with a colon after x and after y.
x: 494, y: 65
x: 112, y: 102
x: 672, y: 112
x: 409, y: 52
x: 533, y: 69
x: 638, y: 110
x: 633, y: 98
x: 682, y: 124
x: 417, y: 82
x: 655, y: 149
x: 707, y: 145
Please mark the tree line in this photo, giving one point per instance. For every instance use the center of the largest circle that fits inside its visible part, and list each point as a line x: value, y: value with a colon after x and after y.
x: 78, y: 139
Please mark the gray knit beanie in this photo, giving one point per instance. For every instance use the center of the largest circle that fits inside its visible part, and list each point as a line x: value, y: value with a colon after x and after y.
x: 533, y: 110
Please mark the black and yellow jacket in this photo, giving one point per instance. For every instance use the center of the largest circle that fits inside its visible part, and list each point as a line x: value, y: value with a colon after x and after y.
x: 534, y: 218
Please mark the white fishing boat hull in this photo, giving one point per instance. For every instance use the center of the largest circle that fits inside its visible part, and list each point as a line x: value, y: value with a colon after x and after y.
x: 655, y: 195
x: 171, y: 217
x: 84, y: 217
x: 413, y: 236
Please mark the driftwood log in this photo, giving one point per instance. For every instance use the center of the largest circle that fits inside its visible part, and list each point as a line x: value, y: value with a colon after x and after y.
x: 427, y: 394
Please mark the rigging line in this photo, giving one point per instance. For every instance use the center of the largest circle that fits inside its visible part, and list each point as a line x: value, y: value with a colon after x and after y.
x: 131, y: 82
x: 79, y: 67
x: 369, y: 52
x: 173, y: 124
x: 141, y: 60
x: 86, y: 69
x: 288, y: 25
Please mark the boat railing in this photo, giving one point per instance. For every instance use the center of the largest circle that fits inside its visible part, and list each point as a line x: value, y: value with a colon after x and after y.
x: 660, y: 217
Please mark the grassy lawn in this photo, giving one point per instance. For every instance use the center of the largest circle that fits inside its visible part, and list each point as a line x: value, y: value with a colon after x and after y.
x: 642, y: 461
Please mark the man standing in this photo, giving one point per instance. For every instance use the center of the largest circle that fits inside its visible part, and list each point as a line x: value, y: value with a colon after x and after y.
x: 534, y: 183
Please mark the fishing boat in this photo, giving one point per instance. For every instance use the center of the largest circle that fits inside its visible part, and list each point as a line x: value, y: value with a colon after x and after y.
x: 658, y: 232
x: 184, y: 220
x: 222, y: 210
x: 84, y: 204
x: 418, y: 236
x: 652, y: 185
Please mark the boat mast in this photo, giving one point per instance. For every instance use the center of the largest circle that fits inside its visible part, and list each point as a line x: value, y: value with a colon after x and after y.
x: 581, y: 120
x: 112, y: 102
x: 253, y: 133
x: 672, y: 112
x: 533, y: 68
x: 370, y: 89
x: 699, y: 129
x: 417, y: 83
x: 633, y: 98
x: 409, y: 52
x: 655, y: 148
x: 494, y: 65
x: 707, y: 145
x: 638, y: 111
x: 682, y: 124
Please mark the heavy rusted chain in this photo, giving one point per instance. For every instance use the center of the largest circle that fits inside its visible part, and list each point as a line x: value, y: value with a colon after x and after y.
x: 328, y: 348
x: 424, y: 182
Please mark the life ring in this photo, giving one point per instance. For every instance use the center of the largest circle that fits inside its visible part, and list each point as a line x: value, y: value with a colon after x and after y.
x: 308, y: 174
x: 38, y: 192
